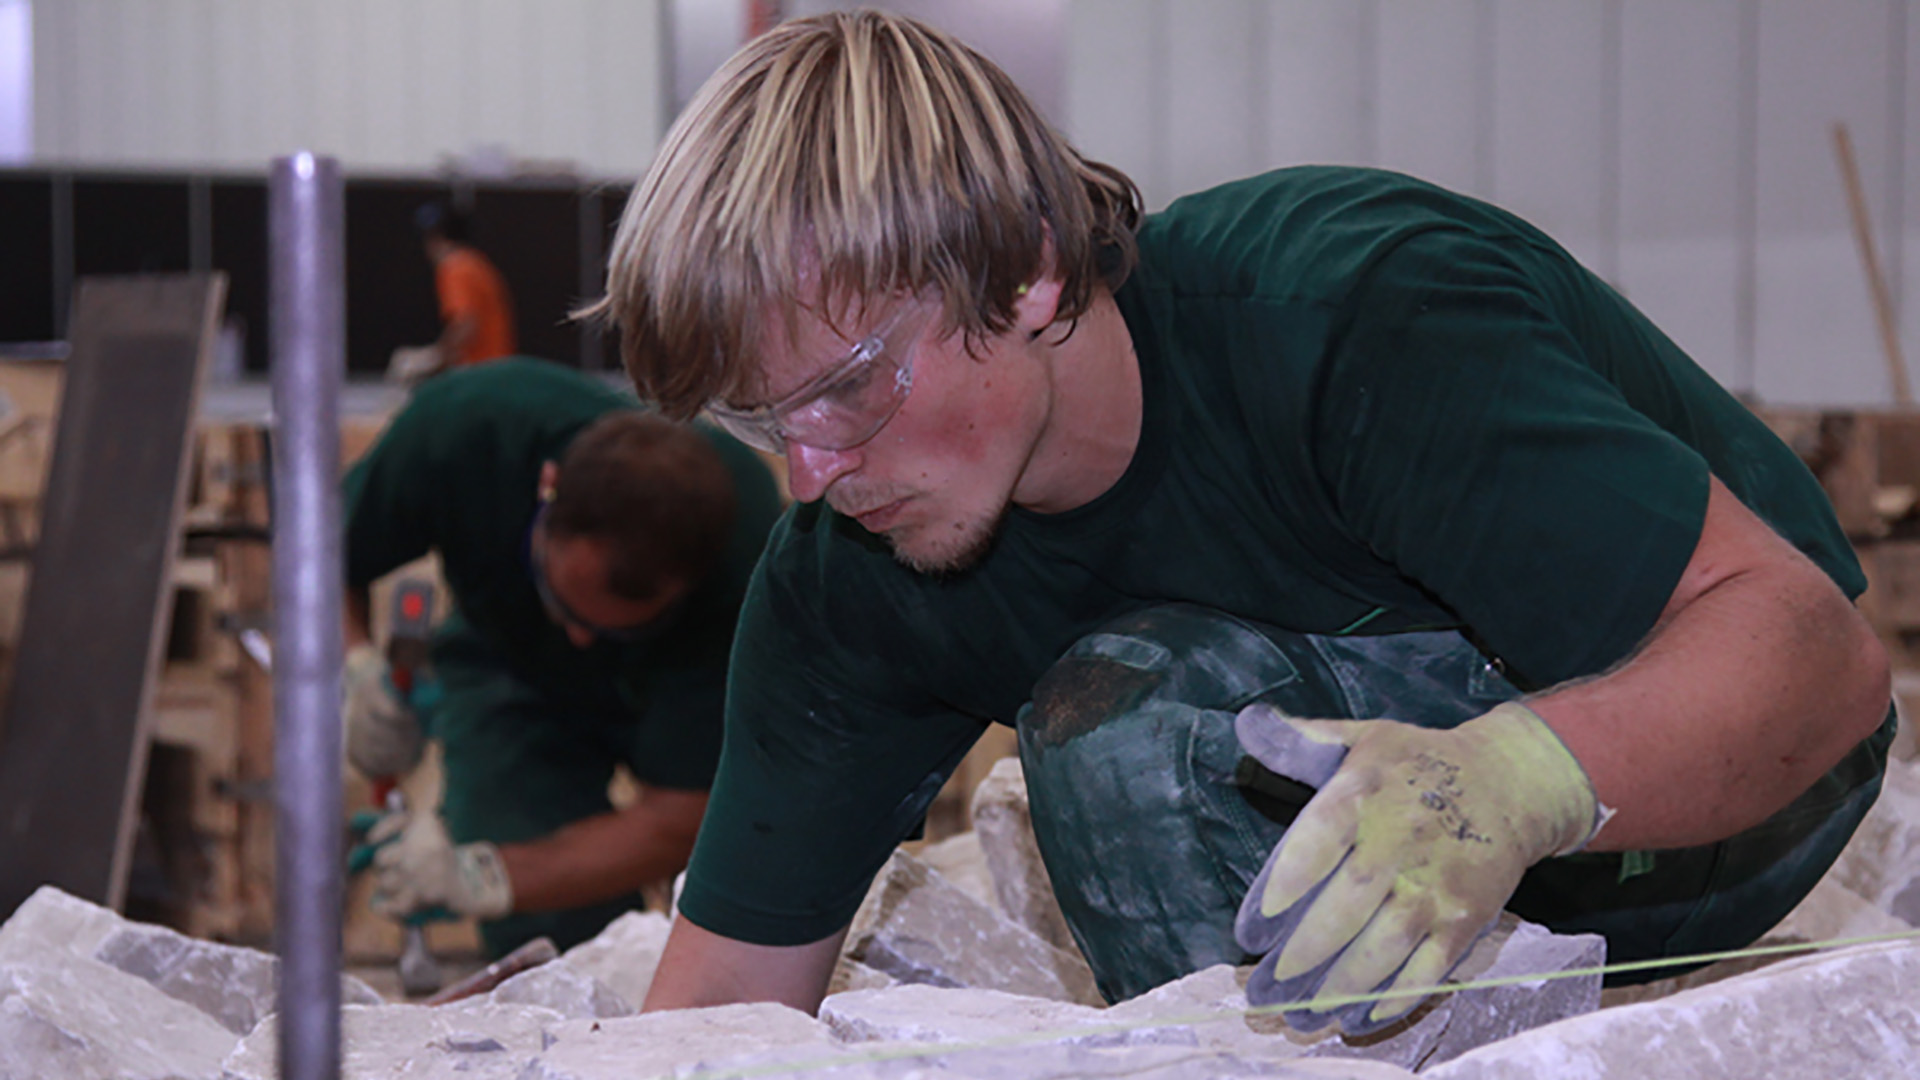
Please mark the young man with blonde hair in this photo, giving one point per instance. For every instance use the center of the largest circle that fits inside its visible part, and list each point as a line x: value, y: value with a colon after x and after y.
x: 1325, y: 443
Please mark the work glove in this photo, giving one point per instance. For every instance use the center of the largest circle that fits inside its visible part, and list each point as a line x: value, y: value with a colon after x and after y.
x: 383, y: 735
x: 418, y: 872
x: 1405, y: 855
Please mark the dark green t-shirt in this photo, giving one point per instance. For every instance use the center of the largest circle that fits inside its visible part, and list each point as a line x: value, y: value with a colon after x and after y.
x: 1371, y: 406
x: 457, y: 472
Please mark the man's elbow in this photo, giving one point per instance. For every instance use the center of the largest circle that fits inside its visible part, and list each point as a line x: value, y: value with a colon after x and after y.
x: 1871, y: 679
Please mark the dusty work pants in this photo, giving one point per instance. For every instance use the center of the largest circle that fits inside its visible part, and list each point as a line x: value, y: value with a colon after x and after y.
x: 1153, y: 823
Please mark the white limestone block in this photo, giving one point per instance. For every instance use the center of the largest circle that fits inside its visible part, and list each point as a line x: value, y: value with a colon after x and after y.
x: 673, y: 1043
x: 1882, y: 861
x: 571, y: 993
x: 51, y: 918
x: 624, y: 955
x: 71, y: 1017
x: 1214, y: 1002
x: 235, y: 986
x: 1003, y: 820
x: 1830, y: 912
x: 932, y: 1014
x: 850, y: 975
x: 1853, y: 1012
x: 963, y: 862
x: 418, y: 1042
x: 919, y: 928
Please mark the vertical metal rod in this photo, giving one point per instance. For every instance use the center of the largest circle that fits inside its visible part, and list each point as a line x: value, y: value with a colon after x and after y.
x: 306, y: 214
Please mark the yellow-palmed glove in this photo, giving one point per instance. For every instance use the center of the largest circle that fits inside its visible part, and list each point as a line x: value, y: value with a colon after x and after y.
x: 1405, y: 855
x: 422, y: 874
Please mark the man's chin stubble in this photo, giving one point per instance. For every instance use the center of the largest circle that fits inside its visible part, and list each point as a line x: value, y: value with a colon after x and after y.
x: 964, y: 549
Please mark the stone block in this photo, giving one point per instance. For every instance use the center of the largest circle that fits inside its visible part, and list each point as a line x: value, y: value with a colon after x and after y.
x: 673, y: 1043
x: 1831, y: 911
x: 1214, y: 1003
x: 1852, y: 1012
x: 573, y: 994
x: 918, y: 928
x: 1003, y: 821
x: 1882, y: 861
x: 931, y: 1014
x: 235, y: 986
x: 52, y: 919
x: 963, y: 862
x: 379, y: 1042
x: 624, y: 955
x: 850, y: 975
x: 78, y: 1019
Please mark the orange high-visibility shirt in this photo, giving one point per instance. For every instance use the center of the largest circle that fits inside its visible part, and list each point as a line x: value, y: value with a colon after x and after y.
x: 470, y: 286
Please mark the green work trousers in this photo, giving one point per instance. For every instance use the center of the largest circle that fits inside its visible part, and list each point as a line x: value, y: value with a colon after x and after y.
x: 1153, y: 823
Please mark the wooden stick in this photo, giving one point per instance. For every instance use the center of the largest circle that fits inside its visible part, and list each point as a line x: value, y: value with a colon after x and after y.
x: 1870, y: 259
x: 531, y: 955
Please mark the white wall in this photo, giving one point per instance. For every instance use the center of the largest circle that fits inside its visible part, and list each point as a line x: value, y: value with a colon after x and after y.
x: 1681, y: 149
x: 385, y: 85
x: 16, y: 81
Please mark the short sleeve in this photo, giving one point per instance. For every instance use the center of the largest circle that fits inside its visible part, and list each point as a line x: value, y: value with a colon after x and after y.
x: 818, y: 782
x: 1471, y: 442
x: 390, y: 498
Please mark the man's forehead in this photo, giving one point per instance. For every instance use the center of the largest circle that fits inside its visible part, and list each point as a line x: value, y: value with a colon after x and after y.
x: 795, y: 342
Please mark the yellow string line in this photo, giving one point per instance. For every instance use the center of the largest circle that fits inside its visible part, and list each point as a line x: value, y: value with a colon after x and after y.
x: 1317, y: 1004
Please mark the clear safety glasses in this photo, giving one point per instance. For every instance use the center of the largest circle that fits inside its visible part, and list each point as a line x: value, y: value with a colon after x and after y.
x: 845, y: 405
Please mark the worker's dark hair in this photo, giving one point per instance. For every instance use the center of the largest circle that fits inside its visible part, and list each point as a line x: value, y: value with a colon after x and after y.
x: 439, y: 219
x: 656, y: 490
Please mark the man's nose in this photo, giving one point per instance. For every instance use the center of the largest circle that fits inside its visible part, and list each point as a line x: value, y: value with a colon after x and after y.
x: 811, y: 471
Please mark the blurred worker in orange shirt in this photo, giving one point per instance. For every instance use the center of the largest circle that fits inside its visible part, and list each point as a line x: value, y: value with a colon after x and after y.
x: 475, y: 306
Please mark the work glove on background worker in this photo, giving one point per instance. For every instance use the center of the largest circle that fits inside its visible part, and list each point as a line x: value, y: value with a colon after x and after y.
x: 383, y: 735
x: 418, y: 871
x: 1405, y: 856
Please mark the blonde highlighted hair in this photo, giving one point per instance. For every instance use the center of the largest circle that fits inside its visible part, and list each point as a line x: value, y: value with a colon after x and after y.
x: 841, y: 159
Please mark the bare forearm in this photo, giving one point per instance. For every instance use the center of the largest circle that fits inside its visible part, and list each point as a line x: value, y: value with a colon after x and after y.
x: 454, y: 337
x: 605, y: 856
x: 1743, y: 697
x: 699, y: 968
x: 356, y: 610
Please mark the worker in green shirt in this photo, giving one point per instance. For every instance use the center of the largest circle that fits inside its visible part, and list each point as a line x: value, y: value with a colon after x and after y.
x: 597, y: 555
x: 1351, y: 561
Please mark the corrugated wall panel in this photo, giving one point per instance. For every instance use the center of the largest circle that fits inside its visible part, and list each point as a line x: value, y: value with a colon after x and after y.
x: 1321, y: 82
x: 1681, y: 170
x: 386, y: 85
x: 1814, y: 332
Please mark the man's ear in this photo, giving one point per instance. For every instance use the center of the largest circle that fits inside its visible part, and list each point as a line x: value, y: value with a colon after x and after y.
x: 549, y: 480
x: 1036, y: 304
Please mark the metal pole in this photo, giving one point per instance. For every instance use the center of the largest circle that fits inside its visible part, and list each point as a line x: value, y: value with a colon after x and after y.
x: 306, y: 215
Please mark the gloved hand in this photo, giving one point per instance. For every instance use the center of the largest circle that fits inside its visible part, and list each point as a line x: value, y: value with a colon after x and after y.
x: 383, y: 735
x: 1405, y: 855
x: 423, y: 871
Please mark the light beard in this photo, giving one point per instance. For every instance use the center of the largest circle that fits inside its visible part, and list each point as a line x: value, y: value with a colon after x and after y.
x: 960, y: 546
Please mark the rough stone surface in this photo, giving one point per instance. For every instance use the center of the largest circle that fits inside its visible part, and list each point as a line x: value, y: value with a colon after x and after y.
x: 1831, y: 911
x: 672, y: 1043
x: 624, y: 955
x: 571, y: 993
x: 78, y: 1019
x: 236, y: 986
x: 52, y: 919
x: 1214, y: 1001
x: 1882, y: 862
x: 1854, y: 1012
x: 1003, y: 821
x: 931, y: 1014
x: 850, y: 975
x: 963, y: 862
x: 378, y: 1042
x: 918, y: 928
